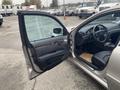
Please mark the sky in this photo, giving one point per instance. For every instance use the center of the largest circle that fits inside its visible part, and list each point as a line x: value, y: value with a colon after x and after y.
x: 46, y: 2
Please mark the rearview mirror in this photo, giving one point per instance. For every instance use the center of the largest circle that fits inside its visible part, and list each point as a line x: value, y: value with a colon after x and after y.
x: 57, y: 30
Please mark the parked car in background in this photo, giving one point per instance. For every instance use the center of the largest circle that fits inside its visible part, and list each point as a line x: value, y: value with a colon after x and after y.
x: 51, y: 11
x: 77, y: 10
x: 60, y: 12
x: 6, y: 10
x: 87, y: 9
x: 71, y: 11
x: 55, y: 12
x: 17, y: 8
x: 46, y: 11
x: 1, y: 20
x: 108, y: 4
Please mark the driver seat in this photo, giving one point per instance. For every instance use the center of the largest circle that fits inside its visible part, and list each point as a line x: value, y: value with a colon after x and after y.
x: 100, y: 59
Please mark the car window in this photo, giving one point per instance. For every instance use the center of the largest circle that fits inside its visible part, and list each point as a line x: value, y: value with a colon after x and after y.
x: 7, y: 7
x: 41, y: 27
x: 3, y: 7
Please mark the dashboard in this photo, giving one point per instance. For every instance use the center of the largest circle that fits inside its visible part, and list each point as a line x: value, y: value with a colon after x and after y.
x: 85, y: 34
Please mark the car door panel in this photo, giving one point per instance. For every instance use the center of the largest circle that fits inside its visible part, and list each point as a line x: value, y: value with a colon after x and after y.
x: 44, y: 41
x: 51, y: 50
x: 113, y: 70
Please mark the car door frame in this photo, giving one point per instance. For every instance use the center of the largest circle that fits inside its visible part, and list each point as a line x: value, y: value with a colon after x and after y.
x: 33, y: 70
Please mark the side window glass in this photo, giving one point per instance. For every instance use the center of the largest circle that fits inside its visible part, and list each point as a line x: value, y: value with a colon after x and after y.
x: 42, y: 27
x: 11, y: 7
x: 17, y: 7
x: 7, y: 7
x: 3, y: 7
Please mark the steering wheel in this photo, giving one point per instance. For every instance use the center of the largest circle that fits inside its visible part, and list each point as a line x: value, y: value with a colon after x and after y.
x: 100, y: 33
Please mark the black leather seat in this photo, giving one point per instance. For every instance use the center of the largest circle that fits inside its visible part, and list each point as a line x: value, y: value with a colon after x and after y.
x: 100, y: 59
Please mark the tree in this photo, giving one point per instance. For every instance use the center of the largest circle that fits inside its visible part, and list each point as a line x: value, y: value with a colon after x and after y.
x: 38, y: 4
x: 33, y: 2
x: 6, y: 2
x: 54, y: 3
x: 26, y: 3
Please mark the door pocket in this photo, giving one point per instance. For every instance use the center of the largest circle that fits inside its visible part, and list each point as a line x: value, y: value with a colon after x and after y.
x: 46, y: 61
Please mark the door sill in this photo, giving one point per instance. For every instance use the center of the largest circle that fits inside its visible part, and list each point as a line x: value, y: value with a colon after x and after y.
x: 90, y: 71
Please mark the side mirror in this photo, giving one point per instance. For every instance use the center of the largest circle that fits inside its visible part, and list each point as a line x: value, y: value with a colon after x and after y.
x: 57, y: 30
x: 72, y: 28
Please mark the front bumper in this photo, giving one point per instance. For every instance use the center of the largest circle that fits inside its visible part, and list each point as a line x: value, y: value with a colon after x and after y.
x: 84, y: 14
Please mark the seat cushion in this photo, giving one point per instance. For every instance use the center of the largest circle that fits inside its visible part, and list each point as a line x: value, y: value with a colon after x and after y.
x: 100, y: 59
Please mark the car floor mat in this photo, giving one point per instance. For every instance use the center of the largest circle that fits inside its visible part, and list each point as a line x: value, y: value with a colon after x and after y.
x: 87, y: 56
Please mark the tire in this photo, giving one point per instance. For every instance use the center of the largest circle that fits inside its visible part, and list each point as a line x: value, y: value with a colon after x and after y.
x: 1, y: 24
x: 80, y: 17
x: 72, y: 14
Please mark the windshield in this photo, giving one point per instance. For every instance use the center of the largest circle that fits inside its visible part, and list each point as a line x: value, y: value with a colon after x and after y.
x: 110, y: 1
x: 89, y: 4
x: 110, y: 18
x: 80, y: 5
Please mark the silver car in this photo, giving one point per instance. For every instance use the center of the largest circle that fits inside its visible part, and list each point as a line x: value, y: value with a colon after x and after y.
x: 94, y: 45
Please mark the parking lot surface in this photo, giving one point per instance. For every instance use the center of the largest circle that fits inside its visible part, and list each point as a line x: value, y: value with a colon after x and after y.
x: 13, y: 73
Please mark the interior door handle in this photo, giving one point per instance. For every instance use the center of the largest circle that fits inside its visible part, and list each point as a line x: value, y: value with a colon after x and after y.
x: 65, y: 40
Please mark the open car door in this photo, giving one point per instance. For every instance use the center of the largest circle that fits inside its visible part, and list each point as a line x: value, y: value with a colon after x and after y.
x: 44, y: 41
